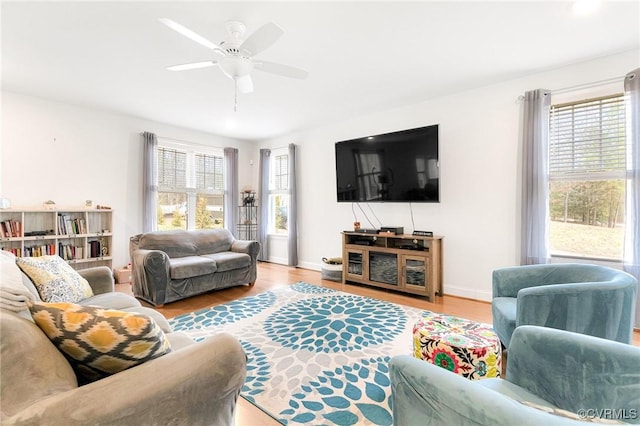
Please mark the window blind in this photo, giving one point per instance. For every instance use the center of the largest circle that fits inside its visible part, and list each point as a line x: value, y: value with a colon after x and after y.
x: 587, y: 139
x: 172, y: 166
x: 281, y: 172
x: 209, y: 173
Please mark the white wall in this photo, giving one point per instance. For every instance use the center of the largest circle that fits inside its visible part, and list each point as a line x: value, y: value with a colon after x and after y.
x: 69, y: 154
x: 480, y: 175
x: 53, y: 150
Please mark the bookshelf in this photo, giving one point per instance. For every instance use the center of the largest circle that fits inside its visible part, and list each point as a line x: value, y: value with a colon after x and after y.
x: 82, y: 237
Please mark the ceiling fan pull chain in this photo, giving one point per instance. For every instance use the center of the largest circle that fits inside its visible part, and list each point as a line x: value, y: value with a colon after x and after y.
x: 235, y: 95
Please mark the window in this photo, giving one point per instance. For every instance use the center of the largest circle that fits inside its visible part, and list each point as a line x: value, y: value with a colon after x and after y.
x: 587, y: 172
x: 190, y: 188
x: 279, y: 194
x: 369, y: 172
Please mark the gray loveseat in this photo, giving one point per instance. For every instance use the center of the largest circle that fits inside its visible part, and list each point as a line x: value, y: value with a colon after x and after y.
x: 173, y: 265
x: 197, y: 383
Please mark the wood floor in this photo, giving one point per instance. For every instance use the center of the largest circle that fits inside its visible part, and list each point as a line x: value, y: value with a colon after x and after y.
x: 272, y: 276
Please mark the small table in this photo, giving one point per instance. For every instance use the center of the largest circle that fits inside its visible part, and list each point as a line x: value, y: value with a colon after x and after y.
x: 467, y: 348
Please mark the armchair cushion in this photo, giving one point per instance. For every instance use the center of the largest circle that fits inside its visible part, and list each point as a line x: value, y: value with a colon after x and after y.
x: 504, y: 317
x: 54, y: 279
x: 99, y: 342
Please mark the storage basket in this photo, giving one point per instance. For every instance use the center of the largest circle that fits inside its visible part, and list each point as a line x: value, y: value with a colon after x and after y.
x: 331, y: 269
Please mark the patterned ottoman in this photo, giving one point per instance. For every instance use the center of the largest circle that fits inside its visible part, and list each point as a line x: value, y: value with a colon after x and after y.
x: 468, y: 348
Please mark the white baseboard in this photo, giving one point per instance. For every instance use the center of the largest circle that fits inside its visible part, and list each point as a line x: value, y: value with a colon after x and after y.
x: 448, y: 290
x: 310, y: 265
x: 279, y: 260
x: 469, y: 294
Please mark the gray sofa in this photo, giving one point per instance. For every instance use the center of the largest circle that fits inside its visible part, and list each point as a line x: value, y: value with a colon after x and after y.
x: 197, y: 383
x: 173, y: 265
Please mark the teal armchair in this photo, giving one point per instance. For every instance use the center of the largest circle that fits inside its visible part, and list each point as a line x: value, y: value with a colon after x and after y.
x: 582, y: 298
x: 554, y: 377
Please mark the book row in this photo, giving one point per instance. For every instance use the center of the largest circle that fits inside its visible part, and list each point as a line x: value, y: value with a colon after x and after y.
x: 65, y: 251
x: 68, y: 225
x: 11, y: 228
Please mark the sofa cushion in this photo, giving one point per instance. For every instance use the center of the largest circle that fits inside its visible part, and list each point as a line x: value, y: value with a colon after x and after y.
x: 99, y: 342
x: 174, y: 243
x: 228, y: 260
x: 54, y: 279
x: 190, y: 266
x: 112, y: 300
x: 209, y: 241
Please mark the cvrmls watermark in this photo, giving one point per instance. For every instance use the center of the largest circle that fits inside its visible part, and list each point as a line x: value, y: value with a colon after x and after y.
x: 608, y: 413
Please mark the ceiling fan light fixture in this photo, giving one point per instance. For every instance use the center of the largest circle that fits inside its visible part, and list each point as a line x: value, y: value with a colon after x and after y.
x: 235, y: 66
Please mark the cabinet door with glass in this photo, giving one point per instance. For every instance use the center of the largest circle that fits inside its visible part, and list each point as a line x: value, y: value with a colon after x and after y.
x: 355, y: 261
x: 414, y: 273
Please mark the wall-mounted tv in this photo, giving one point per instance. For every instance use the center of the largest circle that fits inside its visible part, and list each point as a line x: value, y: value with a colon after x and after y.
x: 392, y: 167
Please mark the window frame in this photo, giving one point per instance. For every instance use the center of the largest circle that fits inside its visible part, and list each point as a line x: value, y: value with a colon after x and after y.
x: 276, y: 189
x: 191, y: 189
x: 591, y: 175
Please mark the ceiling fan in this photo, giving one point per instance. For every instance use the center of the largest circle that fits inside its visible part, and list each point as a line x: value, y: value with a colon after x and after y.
x: 234, y: 55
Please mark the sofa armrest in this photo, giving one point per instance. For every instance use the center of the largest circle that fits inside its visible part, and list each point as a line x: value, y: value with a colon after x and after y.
x: 198, y: 384
x: 150, y: 275
x: 100, y: 279
x: 425, y: 394
x: 575, y: 371
x: 252, y: 248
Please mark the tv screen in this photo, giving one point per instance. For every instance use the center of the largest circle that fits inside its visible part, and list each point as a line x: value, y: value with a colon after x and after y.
x: 392, y: 167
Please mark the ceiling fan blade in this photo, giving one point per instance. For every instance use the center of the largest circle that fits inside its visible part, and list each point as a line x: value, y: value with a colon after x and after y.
x: 244, y: 84
x: 280, y: 69
x: 262, y: 38
x: 192, y: 66
x: 189, y: 34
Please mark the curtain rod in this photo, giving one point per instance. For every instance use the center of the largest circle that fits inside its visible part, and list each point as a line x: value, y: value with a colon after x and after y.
x: 280, y: 147
x: 186, y: 143
x: 582, y: 86
x: 588, y: 85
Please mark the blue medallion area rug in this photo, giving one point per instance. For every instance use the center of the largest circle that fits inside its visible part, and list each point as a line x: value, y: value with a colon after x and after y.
x: 315, y: 355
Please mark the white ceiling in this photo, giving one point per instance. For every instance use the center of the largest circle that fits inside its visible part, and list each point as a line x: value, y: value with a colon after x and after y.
x: 361, y: 56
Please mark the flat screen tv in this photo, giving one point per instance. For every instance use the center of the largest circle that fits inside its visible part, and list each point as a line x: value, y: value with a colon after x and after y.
x: 392, y: 167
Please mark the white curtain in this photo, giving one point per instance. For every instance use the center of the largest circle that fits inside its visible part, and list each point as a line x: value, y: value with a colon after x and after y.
x: 535, y: 178
x: 150, y: 182
x: 632, y: 219
x: 263, y: 200
x: 231, y: 196
x: 293, y: 209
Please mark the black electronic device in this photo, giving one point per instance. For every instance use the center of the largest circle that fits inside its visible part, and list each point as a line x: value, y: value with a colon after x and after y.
x: 411, y: 247
x: 400, y: 166
x: 423, y: 233
x: 398, y: 230
x: 366, y: 231
x: 38, y: 233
